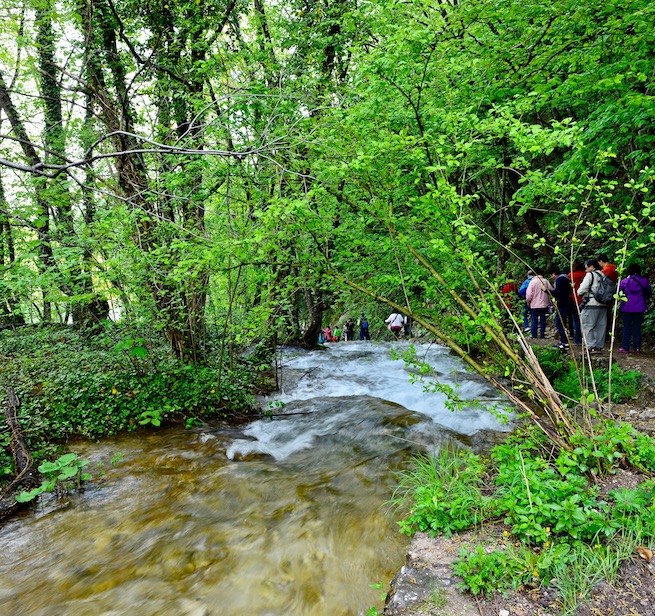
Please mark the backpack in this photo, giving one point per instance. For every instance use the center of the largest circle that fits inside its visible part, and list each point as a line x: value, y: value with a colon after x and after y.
x: 364, y: 324
x: 524, y: 288
x: 606, y: 290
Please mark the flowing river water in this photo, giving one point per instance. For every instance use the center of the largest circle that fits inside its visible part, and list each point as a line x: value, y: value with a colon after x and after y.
x: 285, y: 516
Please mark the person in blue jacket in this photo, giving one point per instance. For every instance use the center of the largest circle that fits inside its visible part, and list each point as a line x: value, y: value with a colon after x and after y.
x: 526, y: 309
x: 363, y: 328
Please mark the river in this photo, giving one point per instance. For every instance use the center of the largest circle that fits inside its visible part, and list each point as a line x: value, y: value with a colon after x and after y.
x: 285, y: 516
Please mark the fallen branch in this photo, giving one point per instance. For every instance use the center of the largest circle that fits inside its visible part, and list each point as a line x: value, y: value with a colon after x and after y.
x: 26, y: 475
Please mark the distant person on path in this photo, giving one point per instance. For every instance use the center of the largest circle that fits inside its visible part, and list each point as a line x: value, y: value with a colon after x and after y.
x: 594, y: 314
x: 637, y: 291
x: 328, y: 334
x: 564, y: 307
x: 395, y: 323
x: 407, y: 326
x: 577, y: 276
x: 526, y: 309
x: 349, y: 330
x: 538, y: 298
x: 363, y: 328
x: 336, y: 334
x: 509, y: 293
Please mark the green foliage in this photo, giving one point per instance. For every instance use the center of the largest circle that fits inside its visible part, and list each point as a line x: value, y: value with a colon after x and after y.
x: 487, y: 572
x: 537, y: 501
x: 601, y: 452
x: 6, y: 460
x: 560, y: 530
x: 634, y: 510
x: 70, y: 383
x: 443, y: 493
x: 192, y: 422
x: 625, y: 384
x: 62, y: 475
x: 572, y: 382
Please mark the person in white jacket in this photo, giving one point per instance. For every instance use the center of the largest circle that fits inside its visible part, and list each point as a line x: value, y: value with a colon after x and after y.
x: 539, y: 301
x: 593, y: 316
x: 395, y: 323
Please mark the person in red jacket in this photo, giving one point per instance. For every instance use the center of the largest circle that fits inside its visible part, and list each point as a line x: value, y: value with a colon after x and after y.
x: 609, y: 269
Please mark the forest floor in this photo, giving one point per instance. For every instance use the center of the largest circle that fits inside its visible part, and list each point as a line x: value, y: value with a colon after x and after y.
x: 427, y: 585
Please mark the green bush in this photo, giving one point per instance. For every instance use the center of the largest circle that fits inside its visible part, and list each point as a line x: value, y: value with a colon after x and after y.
x: 486, y: 572
x: 567, y: 380
x: 443, y: 493
x: 562, y: 531
x: 98, y: 385
x: 537, y: 501
x: 601, y: 452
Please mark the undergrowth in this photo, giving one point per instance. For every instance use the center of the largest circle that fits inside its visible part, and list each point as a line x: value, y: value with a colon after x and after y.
x: 558, y: 528
x: 72, y: 383
x: 574, y: 381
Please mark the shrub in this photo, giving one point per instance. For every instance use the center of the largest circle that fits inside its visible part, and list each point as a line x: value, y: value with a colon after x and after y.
x: 567, y: 380
x: 443, y: 493
x: 97, y: 385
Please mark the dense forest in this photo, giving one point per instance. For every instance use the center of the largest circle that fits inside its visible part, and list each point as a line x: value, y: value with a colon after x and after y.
x: 255, y: 166
x: 185, y: 184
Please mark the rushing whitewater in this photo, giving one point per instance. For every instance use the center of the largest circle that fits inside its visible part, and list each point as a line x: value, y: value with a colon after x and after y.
x: 350, y: 371
x: 284, y: 517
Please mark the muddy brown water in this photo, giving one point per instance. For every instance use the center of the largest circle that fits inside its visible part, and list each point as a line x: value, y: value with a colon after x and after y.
x: 287, y: 516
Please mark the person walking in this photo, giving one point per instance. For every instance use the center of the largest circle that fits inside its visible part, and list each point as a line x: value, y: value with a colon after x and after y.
x: 593, y: 317
x: 609, y: 270
x: 363, y: 328
x: 637, y: 291
x: 407, y: 326
x: 395, y: 323
x: 526, y: 309
x: 349, y: 330
x: 564, y: 307
x: 538, y: 298
x: 576, y: 276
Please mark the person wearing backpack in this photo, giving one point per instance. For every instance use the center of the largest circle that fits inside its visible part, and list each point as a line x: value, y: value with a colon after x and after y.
x: 637, y: 292
x: 609, y: 269
x: 363, y: 328
x: 593, y: 316
x: 395, y: 323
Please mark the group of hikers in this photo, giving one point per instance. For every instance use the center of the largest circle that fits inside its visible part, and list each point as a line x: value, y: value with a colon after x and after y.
x: 398, y: 324
x: 582, y: 301
x: 348, y: 332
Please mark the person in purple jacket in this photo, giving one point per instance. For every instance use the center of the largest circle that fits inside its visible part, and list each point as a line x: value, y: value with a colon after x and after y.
x: 637, y: 292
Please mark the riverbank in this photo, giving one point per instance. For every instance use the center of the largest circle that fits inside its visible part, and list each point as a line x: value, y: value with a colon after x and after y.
x: 427, y: 584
